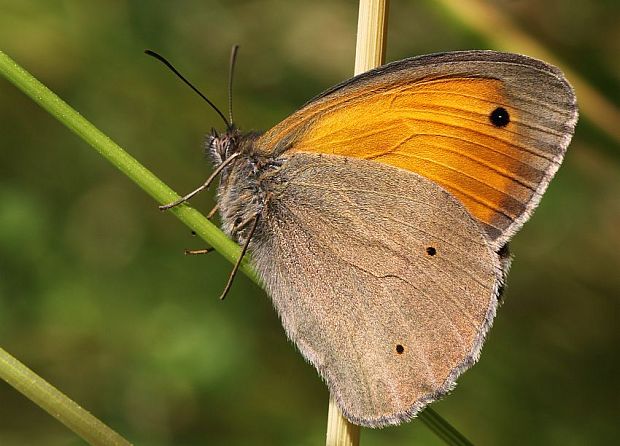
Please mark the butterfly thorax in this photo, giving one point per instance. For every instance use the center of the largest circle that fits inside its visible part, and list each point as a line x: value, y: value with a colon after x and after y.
x: 246, y: 182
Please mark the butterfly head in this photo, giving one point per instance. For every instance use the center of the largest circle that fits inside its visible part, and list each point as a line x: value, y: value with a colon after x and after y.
x: 221, y: 146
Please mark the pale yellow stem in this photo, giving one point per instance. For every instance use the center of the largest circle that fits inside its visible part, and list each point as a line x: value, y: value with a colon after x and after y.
x: 369, y: 53
x: 371, y: 35
x: 340, y: 432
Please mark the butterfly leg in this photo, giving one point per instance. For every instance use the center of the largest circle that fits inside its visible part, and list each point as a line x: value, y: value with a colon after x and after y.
x: 204, y: 186
x: 213, y: 211
x: 192, y: 252
x: 233, y: 273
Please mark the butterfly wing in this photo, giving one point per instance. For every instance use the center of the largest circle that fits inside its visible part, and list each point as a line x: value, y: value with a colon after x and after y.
x: 491, y: 128
x: 382, y: 279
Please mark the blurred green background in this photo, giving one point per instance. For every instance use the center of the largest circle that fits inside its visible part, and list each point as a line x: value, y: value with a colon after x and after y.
x: 96, y: 294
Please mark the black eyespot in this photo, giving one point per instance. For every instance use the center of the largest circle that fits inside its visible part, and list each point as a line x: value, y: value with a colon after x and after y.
x: 238, y: 221
x: 499, y: 117
x: 400, y: 349
x: 194, y: 233
x: 431, y: 251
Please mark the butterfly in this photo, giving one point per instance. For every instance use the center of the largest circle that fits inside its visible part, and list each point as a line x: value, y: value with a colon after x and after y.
x: 378, y: 216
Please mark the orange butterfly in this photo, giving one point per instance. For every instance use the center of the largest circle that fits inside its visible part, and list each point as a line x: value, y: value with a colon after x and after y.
x: 378, y: 215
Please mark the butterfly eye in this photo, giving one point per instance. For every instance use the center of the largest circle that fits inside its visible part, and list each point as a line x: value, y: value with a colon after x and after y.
x: 431, y: 251
x: 499, y: 117
x: 400, y: 349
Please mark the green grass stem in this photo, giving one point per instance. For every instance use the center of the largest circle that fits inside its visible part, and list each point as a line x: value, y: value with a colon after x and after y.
x: 122, y: 160
x: 56, y: 403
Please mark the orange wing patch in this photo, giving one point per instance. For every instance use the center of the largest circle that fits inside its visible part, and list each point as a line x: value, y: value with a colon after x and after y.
x: 439, y: 128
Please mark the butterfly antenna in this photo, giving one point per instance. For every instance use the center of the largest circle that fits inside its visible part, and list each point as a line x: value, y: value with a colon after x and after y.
x: 163, y: 60
x: 233, y: 273
x: 231, y: 72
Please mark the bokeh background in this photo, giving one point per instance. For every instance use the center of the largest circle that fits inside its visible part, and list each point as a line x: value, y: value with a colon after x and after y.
x: 96, y: 294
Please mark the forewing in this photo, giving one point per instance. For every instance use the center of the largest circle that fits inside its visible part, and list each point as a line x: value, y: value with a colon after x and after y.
x: 433, y: 115
x: 381, y: 278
